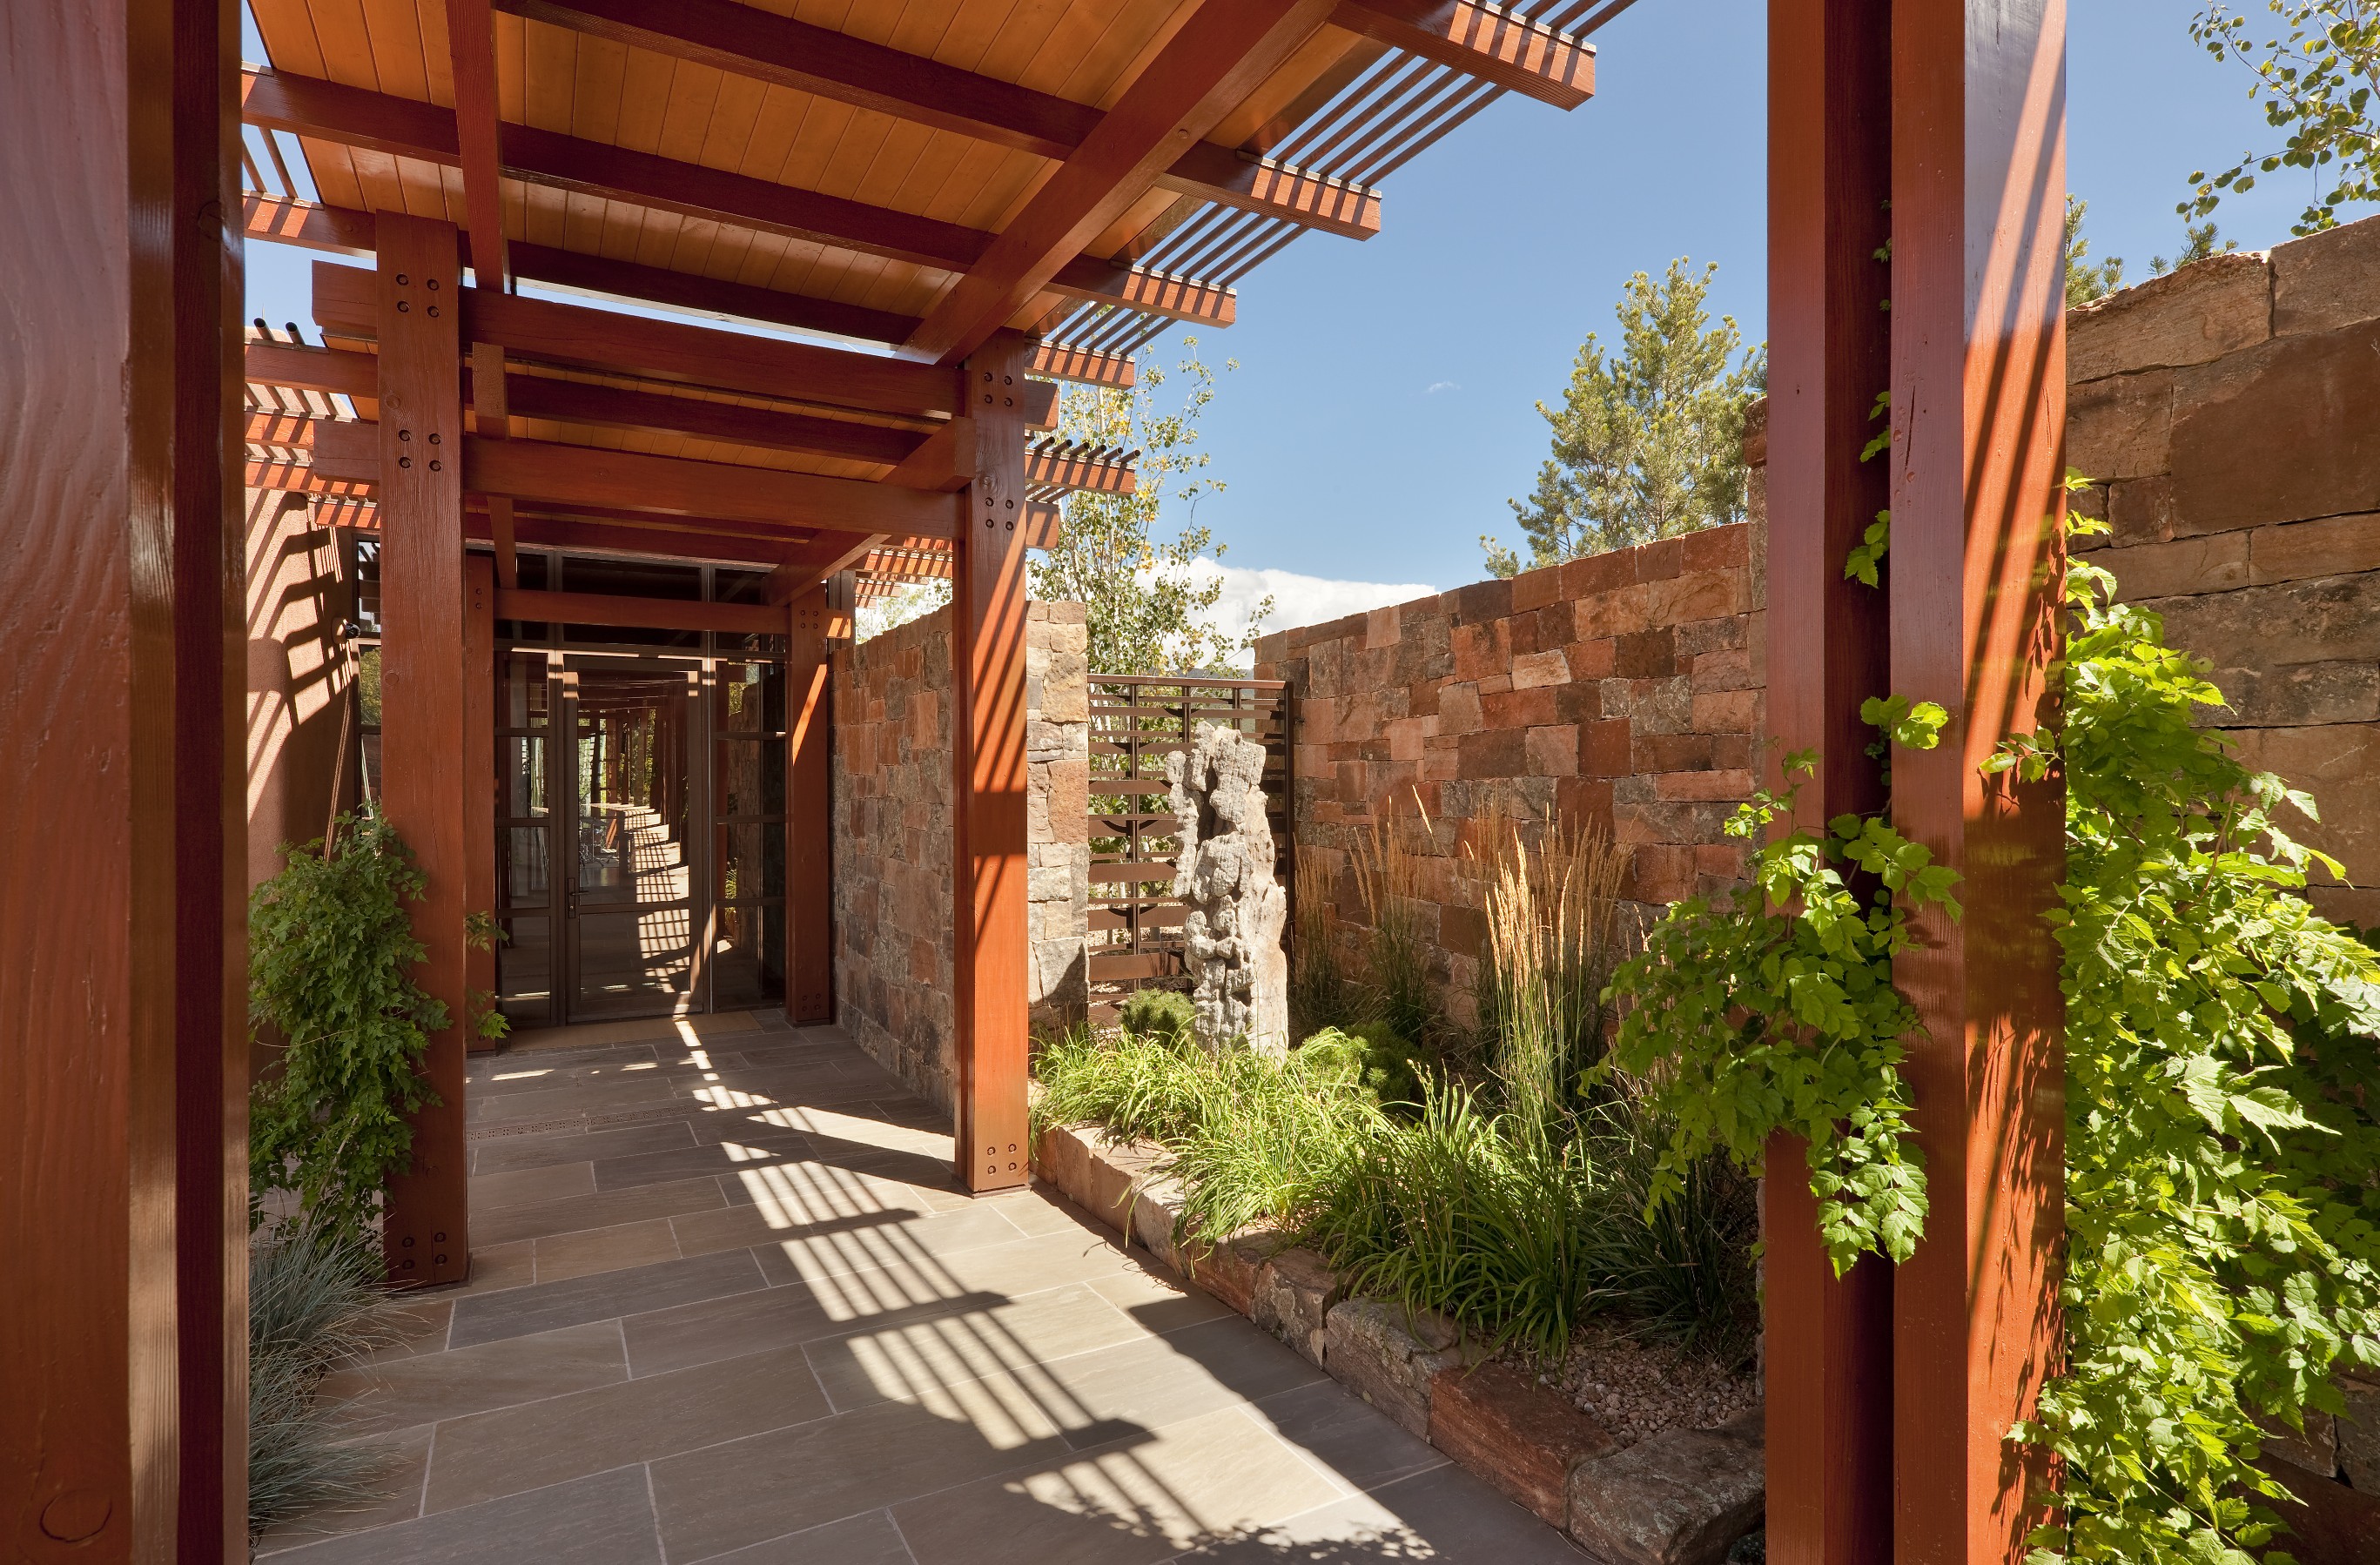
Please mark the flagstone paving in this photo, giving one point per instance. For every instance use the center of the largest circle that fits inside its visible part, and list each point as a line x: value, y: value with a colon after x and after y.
x: 728, y: 1305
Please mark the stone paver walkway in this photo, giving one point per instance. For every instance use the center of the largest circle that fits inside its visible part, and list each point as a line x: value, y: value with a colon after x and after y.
x: 727, y: 1304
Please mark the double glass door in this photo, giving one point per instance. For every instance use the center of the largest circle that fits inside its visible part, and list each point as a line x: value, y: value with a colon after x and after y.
x: 639, y: 837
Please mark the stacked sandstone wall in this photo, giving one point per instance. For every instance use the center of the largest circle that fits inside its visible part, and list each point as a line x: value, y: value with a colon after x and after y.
x: 1626, y: 689
x: 893, y: 884
x: 2231, y: 413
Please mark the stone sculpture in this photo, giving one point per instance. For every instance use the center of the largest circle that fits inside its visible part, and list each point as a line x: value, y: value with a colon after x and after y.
x: 1231, y: 937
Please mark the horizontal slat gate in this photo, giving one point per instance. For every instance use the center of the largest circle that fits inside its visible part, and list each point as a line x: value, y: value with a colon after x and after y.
x: 1137, y: 721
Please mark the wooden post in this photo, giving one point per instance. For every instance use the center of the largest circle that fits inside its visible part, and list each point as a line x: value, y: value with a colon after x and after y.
x: 1979, y: 415
x: 989, y: 957
x: 1830, y: 1340
x: 810, y: 808
x: 122, y: 1433
x: 422, y: 703
x: 478, y: 762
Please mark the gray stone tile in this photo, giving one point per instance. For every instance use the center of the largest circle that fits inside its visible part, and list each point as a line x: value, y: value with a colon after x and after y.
x: 563, y: 1438
x: 1444, y: 1514
x: 564, y: 1102
x: 521, y: 1311
x: 603, y: 1520
x: 566, y: 1256
x: 755, y: 1145
x: 418, y: 1325
x: 530, y: 1056
x: 605, y: 1208
x: 402, y: 1393
x: 523, y: 1187
x: 1354, y: 1439
x: 501, y: 1153
x: 703, y: 1332
x: 751, y: 1490
x: 495, y: 1268
x: 1162, y: 1381
x: 871, y: 1540
x: 398, y: 1483
x: 1161, y: 1304
x: 1141, y: 1499
x: 1012, y: 1338
x: 863, y: 1241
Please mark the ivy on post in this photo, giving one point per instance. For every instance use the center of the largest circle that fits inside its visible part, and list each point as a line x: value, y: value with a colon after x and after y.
x: 1978, y: 399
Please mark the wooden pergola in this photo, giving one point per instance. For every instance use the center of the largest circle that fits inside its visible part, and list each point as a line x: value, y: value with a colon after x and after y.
x: 936, y: 209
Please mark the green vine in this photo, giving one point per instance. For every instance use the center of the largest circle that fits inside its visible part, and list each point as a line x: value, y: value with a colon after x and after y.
x: 2223, y: 1223
x: 331, y: 955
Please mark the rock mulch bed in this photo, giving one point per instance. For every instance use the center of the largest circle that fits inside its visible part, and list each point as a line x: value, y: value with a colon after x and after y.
x: 1635, y: 1481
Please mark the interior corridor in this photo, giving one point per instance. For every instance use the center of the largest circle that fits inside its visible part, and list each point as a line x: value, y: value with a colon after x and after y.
x: 727, y: 1302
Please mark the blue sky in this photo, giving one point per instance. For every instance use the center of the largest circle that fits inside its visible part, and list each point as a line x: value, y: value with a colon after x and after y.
x: 1384, y: 406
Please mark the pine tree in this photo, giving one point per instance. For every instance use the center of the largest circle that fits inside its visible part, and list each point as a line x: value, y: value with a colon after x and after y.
x: 1648, y: 444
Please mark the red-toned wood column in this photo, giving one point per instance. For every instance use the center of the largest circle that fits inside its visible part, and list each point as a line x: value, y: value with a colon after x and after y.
x: 1979, y: 412
x: 1829, y: 1340
x: 478, y: 778
x: 422, y: 704
x: 989, y: 951
x: 809, y: 810
x: 122, y: 651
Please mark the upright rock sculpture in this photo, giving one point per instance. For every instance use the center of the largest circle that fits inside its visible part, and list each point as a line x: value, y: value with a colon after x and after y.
x: 1233, y: 934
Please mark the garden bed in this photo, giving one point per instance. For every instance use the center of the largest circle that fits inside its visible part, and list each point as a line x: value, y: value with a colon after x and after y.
x: 1649, y: 1489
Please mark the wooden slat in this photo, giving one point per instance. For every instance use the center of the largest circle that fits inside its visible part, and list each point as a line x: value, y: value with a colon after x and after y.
x: 1058, y: 466
x: 1109, y: 969
x: 645, y: 613
x: 1130, y: 874
x: 313, y: 368
x: 1204, y: 71
x: 788, y: 53
x: 528, y: 469
x: 1481, y: 40
x: 424, y: 1235
x: 326, y: 111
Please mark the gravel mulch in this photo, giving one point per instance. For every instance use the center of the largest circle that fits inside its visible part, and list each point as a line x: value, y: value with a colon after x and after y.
x: 1635, y: 1390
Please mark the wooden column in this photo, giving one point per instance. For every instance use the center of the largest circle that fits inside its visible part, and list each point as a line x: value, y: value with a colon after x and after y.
x: 989, y: 949
x: 422, y: 703
x: 1830, y: 1340
x: 122, y: 1078
x: 478, y: 765
x: 1979, y: 412
x: 809, y: 824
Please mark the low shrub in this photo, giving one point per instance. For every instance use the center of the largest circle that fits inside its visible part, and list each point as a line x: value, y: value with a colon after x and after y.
x: 1136, y: 1087
x: 1380, y: 1058
x: 1160, y: 1015
x: 1683, y: 1271
x: 310, y: 1309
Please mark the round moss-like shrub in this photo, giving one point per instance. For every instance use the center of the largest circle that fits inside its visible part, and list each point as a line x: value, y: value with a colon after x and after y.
x: 1158, y: 1016
x: 1373, y: 1053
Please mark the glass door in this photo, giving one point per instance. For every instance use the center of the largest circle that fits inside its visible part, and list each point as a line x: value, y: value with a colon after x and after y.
x: 629, y: 891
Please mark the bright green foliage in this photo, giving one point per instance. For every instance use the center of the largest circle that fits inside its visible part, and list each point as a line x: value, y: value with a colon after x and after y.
x: 2318, y: 86
x: 330, y: 955
x: 1148, y: 604
x: 1777, y: 1012
x: 2086, y: 282
x: 1381, y: 1058
x: 1158, y: 1016
x: 2202, y: 244
x: 1649, y: 444
x: 2221, y: 1250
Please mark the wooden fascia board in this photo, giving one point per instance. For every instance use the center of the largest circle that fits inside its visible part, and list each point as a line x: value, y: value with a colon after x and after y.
x: 829, y: 64
x: 405, y: 128
x: 528, y: 469
x: 343, y: 231
x: 1204, y: 71
x: 1483, y: 41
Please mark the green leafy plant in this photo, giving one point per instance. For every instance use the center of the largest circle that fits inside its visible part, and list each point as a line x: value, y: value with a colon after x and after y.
x: 1390, y: 1065
x: 330, y: 953
x: 312, y: 1309
x: 2084, y: 282
x: 2318, y: 86
x: 1160, y: 1015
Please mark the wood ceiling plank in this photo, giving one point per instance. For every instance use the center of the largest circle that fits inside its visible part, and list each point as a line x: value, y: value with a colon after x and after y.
x: 1205, y: 69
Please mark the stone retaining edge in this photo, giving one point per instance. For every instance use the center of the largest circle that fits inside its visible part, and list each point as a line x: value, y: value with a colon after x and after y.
x: 1681, y: 1497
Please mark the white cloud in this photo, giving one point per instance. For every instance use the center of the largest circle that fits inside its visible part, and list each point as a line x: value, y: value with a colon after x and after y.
x: 1298, y: 600
x: 1436, y: 386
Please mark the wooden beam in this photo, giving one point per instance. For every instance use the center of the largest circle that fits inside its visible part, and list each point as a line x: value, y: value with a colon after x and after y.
x: 424, y: 1231
x: 576, y: 401
x: 1482, y: 40
x: 313, y: 368
x: 821, y: 61
x: 990, y: 949
x: 532, y: 469
x: 409, y: 129
x: 583, y: 337
x: 479, y: 768
x: 645, y: 613
x: 625, y: 538
x: 1830, y: 1359
x: 1204, y: 71
x: 492, y: 419
x: 471, y: 42
x: 814, y: 563
x: 1979, y: 418
x: 809, y: 814
x: 945, y: 460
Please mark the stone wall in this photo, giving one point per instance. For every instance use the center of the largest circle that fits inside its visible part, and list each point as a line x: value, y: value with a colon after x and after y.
x: 2232, y: 412
x: 1625, y: 688
x: 893, y: 888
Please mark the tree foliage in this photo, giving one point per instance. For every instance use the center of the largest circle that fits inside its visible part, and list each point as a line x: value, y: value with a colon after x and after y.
x: 330, y: 956
x: 1149, y: 606
x: 2086, y: 282
x: 1648, y: 442
x: 2317, y: 86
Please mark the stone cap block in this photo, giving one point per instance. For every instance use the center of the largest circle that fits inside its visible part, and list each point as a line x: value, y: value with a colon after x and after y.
x: 2189, y: 316
x: 2328, y: 280
x: 1681, y: 1497
x: 1521, y: 1436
